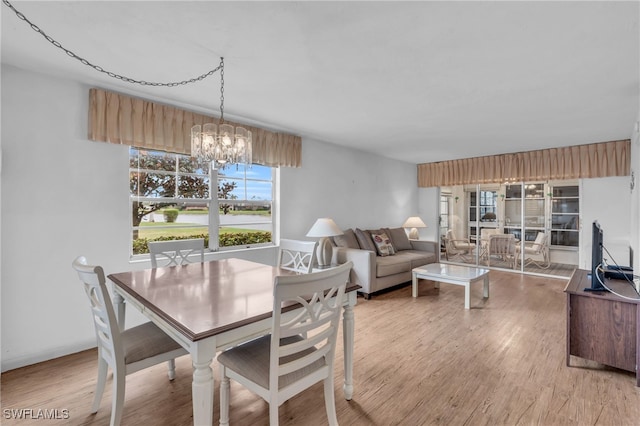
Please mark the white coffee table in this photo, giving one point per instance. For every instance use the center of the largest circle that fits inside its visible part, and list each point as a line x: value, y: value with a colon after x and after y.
x: 451, y: 274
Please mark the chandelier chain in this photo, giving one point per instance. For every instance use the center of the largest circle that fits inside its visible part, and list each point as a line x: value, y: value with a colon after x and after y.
x: 221, y: 90
x: 102, y: 70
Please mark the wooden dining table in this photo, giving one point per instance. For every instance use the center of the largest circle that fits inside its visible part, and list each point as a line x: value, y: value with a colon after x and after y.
x: 208, y: 307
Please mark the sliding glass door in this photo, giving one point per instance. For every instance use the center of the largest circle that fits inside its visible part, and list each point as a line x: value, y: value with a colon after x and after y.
x: 523, y: 226
x: 526, y: 214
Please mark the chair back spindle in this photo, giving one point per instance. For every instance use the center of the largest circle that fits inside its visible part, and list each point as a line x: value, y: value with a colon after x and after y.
x: 175, y: 252
x: 297, y: 255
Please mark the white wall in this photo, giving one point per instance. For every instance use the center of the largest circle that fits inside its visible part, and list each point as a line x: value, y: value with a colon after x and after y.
x: 64, y: 196
x: 354, y: 188
x: 608, y: 201
x: 428, y: 210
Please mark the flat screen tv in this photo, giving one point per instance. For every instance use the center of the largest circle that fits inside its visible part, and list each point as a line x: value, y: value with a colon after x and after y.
x: 597, y: 268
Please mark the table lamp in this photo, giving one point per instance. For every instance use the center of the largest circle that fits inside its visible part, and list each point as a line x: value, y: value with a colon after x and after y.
x: 414, y: 222
x: 324, y: 228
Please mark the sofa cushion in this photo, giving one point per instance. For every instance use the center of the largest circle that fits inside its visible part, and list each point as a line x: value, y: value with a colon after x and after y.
x: 418, y: 258
x: 391, y: 265
x: 365, y: 241
x: 347, y: 239
x: 399, y: 239
x: 384, y: 247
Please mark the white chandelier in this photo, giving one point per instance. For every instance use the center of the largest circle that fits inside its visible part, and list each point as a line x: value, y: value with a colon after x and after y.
x: 223, y: 143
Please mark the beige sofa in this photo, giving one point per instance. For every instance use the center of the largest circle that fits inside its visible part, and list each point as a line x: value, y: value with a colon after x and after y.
x: 376, y: 267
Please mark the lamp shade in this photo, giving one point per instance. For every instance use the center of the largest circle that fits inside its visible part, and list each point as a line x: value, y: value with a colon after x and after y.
x: 324, y: 227
x: 414, y: 222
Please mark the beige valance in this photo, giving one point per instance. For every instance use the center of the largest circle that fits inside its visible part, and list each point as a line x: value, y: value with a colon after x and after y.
x: 571, y: 162
x: 126, y: 120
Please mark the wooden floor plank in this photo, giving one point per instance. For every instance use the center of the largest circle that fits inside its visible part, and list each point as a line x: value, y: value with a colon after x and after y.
x: 422, y: 361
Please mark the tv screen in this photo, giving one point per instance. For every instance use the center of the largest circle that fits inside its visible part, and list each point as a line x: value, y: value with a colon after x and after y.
x: 597, y: 268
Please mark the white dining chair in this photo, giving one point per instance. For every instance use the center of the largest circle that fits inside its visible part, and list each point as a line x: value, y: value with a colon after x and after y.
x: 125, y: 352
x: 300, y: 350
x: 297, y: 255
x: 175, y: 252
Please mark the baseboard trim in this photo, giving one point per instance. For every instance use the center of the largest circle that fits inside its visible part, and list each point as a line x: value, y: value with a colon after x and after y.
x: 23, y: 361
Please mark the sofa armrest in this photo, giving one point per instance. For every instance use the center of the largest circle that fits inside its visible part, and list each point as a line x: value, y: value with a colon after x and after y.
x: 430, y: 246
x: 364, y: 265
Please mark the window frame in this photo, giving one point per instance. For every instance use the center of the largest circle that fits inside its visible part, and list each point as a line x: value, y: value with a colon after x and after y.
x: 213, y: 225
x: 214, y: 245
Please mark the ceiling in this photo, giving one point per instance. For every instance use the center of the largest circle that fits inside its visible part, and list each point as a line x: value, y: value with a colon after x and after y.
x: 413, y: 81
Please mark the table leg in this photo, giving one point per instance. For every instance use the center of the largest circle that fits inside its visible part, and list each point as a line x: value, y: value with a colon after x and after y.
x: 414, y: 285
x: 202, y: 389
x: 467, y: 295
x: 348, y: 326
x: 486, y: 286
x: 119, y: 308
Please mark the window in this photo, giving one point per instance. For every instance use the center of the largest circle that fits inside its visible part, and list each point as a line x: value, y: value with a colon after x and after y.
x: 245, y: 197
x: 445, y: 199
x: 565, y: 216
x: 534, y: 205
x: 485, y: 210
x: 170, y: 199
x: 444, y: 219
x: 487, y: 206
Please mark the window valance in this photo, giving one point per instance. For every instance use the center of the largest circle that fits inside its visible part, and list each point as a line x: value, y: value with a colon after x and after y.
x: 571, y: 162
x: 126, y: 120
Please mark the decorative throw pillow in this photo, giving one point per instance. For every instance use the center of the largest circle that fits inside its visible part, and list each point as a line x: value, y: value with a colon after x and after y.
x: 399, y: 239
x: 364, y: 239
x: 383, y: 244
x: 347, y: 239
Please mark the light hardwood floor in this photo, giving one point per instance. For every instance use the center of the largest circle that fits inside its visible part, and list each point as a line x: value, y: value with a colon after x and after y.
x: 424, y: 361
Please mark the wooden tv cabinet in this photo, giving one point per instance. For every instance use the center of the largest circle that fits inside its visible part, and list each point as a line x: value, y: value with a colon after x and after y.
x: 601, y: 326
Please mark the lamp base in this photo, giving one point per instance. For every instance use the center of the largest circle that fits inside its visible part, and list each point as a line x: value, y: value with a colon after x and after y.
x: 323, y: 267
x: 324, y: 253
x: 413, y: 234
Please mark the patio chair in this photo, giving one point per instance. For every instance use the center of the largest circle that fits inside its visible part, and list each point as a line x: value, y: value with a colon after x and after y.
x: 504, y: 247
x: 457, y: 247
x: 536, y: 252
x: 485, y: 233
